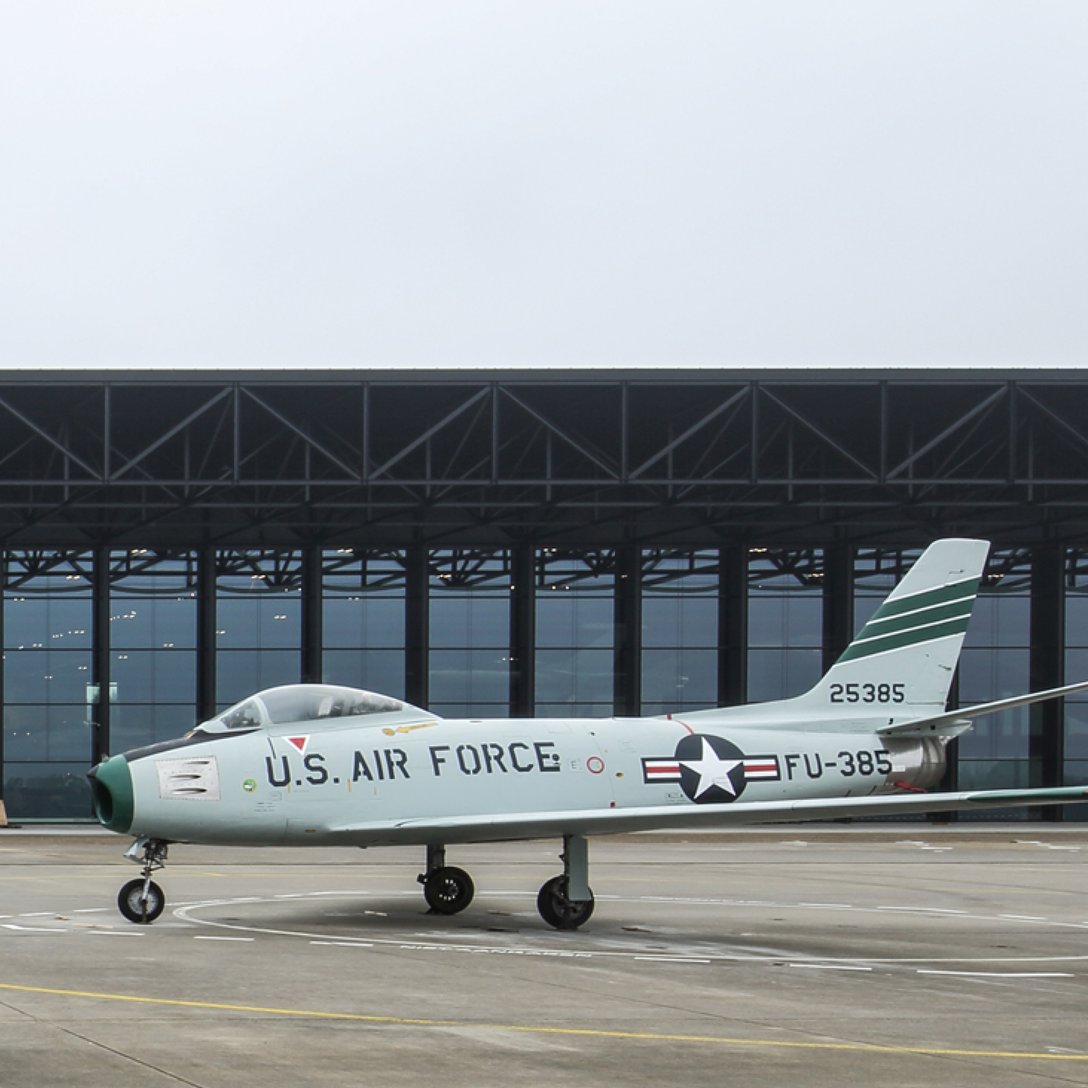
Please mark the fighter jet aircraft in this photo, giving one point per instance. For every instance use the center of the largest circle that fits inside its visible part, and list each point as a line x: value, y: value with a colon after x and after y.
x: 318, y: 765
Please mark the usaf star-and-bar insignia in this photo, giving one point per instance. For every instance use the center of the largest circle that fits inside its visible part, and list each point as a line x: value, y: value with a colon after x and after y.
x: 710, y: 770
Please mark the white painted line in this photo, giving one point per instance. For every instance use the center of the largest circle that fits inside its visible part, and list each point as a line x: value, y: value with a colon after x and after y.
x: 91, y: 910
x: 829, y: 906
x: 204, y: 938
x: 829, y: 967
x: 115, y: 932
x: 997, y: 974
x: 39, y: 914
x: 910, y: 910
x: 344, y: 944
x: 669, y: 959
x: 32, y: 929
x: 1022, y: 917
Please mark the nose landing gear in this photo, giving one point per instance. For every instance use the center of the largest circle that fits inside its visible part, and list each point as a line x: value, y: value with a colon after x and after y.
x: 141, y: 901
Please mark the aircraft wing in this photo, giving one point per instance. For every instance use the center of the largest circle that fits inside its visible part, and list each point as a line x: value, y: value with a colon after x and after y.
x: 530, y: 825
x: 952, y: 718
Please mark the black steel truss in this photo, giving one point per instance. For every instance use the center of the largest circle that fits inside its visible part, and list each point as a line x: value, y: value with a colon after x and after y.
x: 586, y: 458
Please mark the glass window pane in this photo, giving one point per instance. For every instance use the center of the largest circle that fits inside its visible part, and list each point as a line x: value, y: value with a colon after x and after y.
x: 569, y: 678
x: 679, y: 677
x: 269, y: 622
x: 153, y: 676
x: 1076, y: 730
x: 574, y: 710
x: 999, y: 620
x: 570, y: 620
x: 779, y: 674
x: 468, y: 677
x: 1076, y: 773
x: 150, y: 622
x: 360, y: 622
x: 381, y: 671
x: 44, y: 676
x: 47, y: 733
x: 467, y: 621
x: 40, y: 623
x: 47, y: 791
x: 135, y: 726
x: 680, y: 621
x: 785, y: 621
x: 243, y: 672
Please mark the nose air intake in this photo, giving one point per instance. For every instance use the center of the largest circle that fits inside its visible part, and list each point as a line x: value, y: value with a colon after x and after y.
x: 111, y: 791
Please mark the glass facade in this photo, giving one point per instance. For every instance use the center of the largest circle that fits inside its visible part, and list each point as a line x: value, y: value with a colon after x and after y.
x: 575, y: 632
x: 116, y: 649
x: 362, y: 611
x: 50, y: 699
x: 469, y: 625
x: 152, y: 633
x: 785, y: 622
x: 995, y: 663
x: 1075, y: 740
x: 258, y: 622
x: 679, y: 630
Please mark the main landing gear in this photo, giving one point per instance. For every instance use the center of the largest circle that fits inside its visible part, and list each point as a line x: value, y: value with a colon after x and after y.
x: 142, y: 900
x: 447, y: 889
x: 565, y: 901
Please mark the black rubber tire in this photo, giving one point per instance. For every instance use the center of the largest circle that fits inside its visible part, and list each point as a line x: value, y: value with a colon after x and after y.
x: 559, y: 911
x: 132, y: 904
x: 448, y: 890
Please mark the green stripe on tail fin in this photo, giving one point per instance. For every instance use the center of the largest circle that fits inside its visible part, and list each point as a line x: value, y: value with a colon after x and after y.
x: 903, y: 659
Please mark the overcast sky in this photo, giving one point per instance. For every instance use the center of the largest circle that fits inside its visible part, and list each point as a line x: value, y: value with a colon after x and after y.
x: 559, y: 183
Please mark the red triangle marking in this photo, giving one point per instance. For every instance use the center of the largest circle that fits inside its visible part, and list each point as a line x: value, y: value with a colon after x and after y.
x: 298, y: 742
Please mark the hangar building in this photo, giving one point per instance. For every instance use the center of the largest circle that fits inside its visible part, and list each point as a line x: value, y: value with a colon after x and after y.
x: 519, y: 542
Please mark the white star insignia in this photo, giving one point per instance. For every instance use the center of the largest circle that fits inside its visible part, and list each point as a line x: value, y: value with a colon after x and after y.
x: 712, y: 771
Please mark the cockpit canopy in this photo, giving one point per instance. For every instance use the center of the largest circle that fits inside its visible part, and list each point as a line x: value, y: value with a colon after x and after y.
x: 309, y: 703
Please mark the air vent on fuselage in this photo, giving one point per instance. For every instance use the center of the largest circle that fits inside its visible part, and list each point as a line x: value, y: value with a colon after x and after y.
x: 194, y: 779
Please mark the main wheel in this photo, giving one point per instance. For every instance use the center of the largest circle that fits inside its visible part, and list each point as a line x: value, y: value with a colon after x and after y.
x: 558, y: 910
x: 137, y: 907
x: 448, y: 890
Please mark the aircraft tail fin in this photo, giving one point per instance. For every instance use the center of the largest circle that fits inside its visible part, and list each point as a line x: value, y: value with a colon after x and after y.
x: 903, y: 659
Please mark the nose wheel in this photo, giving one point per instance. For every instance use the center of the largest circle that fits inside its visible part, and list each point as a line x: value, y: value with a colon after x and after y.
x: 141, y: 901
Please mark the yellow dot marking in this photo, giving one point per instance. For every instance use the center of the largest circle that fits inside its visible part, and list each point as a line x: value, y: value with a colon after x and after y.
x: 542, y: 1029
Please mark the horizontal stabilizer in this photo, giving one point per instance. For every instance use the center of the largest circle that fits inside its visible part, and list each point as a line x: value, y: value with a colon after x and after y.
x: 948, y: 722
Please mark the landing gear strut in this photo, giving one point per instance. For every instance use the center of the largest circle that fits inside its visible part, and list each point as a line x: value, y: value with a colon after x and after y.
x: 142, y: 900
x: 566, y: 901
x: 447, y: 889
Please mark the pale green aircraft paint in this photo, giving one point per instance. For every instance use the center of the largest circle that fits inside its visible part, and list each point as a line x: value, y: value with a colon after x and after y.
x: 323, y: 765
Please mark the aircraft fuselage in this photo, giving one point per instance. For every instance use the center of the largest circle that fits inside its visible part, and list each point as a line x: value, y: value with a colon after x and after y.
x: 292, y: 786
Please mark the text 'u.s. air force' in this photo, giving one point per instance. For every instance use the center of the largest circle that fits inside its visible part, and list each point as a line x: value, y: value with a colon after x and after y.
x: 440, y: 761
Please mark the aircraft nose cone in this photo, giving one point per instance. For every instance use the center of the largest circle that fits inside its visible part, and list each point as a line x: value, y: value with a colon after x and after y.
x: 111, y: 789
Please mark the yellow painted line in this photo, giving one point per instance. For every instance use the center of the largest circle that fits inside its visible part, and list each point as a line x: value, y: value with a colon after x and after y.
x: 543, y: 1029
